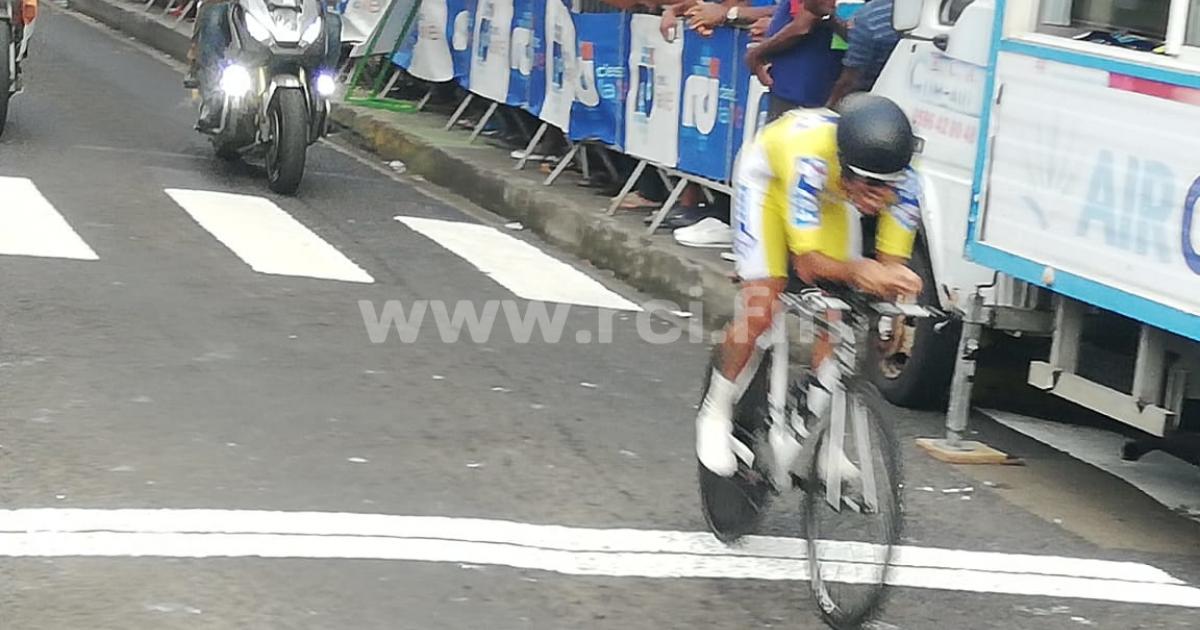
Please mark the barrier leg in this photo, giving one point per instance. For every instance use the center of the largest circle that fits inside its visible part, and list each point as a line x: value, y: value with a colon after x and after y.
x: 462, y: 108
x: 391, y: 83
x: 608, y: 163
x: 562, y: 164
x: 662, y: 212
x: 170, y: 5
x: 662, y: 174
x: 629, y: 184
x: 584, y: 166
x: 425, y: 99
x: 149, y: 3
x: 537, y: 137
x: 483, y: 122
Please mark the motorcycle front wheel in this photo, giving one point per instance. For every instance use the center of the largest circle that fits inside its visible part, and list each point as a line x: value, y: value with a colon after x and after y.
x: 289, y: 141
x: 6, y: 49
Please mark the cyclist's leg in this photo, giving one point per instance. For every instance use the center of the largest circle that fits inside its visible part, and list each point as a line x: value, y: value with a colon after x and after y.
x: 762, y: 262
x: 757, y: 301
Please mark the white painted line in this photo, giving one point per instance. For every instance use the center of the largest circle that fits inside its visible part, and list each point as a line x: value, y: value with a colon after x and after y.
x: 30, y: 226
x: 567, y: 550
x: 520, y: 267
x: 265, y: 237
x: 1165, y: 478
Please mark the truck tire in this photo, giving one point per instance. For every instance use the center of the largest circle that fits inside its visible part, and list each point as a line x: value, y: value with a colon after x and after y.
x: 917, y: 374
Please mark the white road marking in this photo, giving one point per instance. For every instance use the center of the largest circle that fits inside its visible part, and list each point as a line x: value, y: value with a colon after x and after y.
x: 566, y: 550
x: 518, y: 266
x: 265, y: 237
x: 1165, y: 478
x: 30, y: 226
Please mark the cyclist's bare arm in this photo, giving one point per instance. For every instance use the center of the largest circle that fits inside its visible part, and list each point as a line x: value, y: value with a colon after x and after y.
x: 886, y: 277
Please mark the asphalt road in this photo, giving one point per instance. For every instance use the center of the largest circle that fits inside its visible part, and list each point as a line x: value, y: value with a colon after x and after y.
x: 168, y: 373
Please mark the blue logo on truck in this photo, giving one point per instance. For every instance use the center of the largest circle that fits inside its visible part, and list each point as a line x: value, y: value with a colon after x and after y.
x: 1189, y: 215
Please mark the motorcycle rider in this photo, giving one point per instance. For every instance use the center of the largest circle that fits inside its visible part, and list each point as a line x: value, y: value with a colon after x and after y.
x: 210, y: 36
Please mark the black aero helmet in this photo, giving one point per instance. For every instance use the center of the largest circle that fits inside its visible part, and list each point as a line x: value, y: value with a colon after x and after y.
x: 874, y: 137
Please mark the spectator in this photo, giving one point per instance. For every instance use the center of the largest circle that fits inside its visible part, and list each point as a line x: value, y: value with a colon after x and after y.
x: 704, y: 17
x: 872, y: 40
x: 798, y: 60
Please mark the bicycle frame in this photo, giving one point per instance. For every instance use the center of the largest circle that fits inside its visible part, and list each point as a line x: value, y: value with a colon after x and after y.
x: 848, y: 334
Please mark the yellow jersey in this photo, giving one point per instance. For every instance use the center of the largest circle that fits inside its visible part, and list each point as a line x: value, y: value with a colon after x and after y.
x: 788, y: 197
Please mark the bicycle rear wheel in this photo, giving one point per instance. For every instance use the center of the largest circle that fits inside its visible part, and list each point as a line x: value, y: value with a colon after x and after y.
x: 734, y: 506
x: 853, y: 526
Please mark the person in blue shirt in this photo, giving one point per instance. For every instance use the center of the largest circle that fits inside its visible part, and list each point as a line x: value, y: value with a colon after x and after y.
x: 800, y: 58
x: 872, y: 40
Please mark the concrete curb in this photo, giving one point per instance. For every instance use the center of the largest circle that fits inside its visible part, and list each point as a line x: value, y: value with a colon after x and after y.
x: 561, y: 215
x: 147, y: 27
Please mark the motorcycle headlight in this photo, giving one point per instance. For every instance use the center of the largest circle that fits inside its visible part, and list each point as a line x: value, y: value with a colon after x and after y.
x: 326, y: 85
x: 312, y: 33
x: 236, y: 81
x: 257, y: 29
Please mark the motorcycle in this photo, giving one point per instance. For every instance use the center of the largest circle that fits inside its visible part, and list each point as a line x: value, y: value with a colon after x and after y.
x: 274, y: 84
x: 16, y: 27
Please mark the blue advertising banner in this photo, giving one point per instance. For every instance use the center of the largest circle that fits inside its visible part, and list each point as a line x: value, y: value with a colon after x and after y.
x: 522, y: 53
x: 752, y: 101
x: 598, y: 112
x: 462, y: 18
x: 709, y: 101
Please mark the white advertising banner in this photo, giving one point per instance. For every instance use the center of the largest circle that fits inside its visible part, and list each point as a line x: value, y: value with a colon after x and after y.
x: 1098, y: 174
x: 431, y: 60
x: 490, y: 70
x: 388, y: 32
x: 561, y: 76
x: 652, y: 103
x: 359, y: 18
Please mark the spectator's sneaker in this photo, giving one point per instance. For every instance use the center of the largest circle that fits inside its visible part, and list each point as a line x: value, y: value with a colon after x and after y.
x: 191, y: 81
x: 709, y: 232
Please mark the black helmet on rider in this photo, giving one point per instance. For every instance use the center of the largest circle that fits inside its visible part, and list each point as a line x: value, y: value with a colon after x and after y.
x: 875, y: 139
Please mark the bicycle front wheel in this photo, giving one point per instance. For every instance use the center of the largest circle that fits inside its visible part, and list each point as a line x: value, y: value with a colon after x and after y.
x: 852, y: 507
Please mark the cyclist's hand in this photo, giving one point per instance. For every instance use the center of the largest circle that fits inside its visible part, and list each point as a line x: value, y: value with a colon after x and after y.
x: 886, y: 281
x: 902, y: 281
x: 869, y: 276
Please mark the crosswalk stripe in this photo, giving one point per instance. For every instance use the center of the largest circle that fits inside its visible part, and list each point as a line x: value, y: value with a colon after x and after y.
x: 30, y: 226
x: 265, y: 237
x: 518, y: 266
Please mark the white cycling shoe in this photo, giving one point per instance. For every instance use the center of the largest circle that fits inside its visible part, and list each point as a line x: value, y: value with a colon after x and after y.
x: 716, y: 447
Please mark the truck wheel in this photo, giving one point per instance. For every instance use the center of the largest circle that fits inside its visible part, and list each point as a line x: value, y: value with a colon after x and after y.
x: 912, y: 364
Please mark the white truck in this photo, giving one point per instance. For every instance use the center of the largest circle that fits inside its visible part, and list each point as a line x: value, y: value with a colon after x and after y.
x: 1061, y: 168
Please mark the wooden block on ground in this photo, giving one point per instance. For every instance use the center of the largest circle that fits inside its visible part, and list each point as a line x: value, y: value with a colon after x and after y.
x: 966, y: 452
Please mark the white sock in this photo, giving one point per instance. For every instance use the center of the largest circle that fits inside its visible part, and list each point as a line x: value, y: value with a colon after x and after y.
x: 714, y: 427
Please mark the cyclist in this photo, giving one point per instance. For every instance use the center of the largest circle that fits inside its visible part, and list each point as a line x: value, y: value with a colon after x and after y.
x: 804, y: 186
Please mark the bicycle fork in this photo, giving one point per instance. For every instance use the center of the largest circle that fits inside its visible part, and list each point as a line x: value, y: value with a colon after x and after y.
x: 781, y: 436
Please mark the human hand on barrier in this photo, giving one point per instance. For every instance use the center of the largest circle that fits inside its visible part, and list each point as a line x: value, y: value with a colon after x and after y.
x: 706, y: 16
x: 758, y: 29
x: 668, y: 23
x: 758, y: 66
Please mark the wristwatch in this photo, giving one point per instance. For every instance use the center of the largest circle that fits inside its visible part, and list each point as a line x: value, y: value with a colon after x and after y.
x: 731, y: 16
